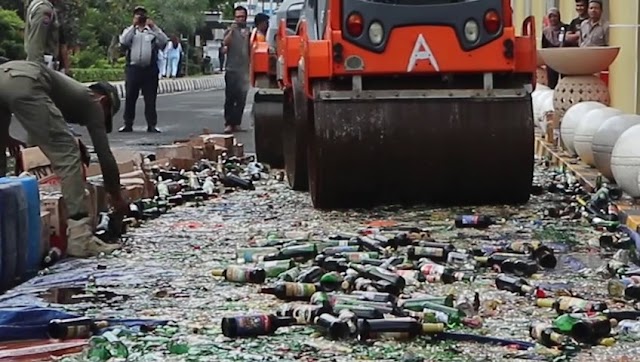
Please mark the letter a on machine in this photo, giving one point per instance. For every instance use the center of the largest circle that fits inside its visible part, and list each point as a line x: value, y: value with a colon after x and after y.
x: 422, y: 51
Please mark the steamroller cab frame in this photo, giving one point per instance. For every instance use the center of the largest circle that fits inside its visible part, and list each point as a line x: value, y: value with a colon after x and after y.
x: 267, y: 106
x: 415, y: 101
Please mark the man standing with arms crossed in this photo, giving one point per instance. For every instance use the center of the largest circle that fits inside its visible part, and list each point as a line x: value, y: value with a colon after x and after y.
x: 236, y: 77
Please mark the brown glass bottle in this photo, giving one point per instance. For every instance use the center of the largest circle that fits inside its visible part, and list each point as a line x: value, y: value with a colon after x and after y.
x: 254, y: 325
x: 239, y: 274
x: 74, y: 328
x: 291, y: 291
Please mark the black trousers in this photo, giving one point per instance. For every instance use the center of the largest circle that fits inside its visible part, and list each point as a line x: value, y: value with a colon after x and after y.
x: 235, y: 93
x: 552, y: 78
x: 143, y: 79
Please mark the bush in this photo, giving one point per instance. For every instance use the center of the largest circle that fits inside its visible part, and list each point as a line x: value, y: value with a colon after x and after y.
x: 11, y: 40
x: 86, y: 75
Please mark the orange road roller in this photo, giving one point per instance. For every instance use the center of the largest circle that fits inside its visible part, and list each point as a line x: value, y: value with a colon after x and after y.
x: 410, y: 102
x: 268, y: 100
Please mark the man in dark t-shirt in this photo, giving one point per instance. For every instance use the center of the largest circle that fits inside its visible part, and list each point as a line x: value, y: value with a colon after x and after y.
x: 573, y: 36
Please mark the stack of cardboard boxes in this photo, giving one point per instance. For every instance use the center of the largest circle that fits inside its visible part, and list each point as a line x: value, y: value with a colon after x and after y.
x: 135, y: 178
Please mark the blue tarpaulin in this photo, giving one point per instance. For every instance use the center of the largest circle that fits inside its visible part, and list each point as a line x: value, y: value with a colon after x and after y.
x: 32, y: 322
x: 24, y: 315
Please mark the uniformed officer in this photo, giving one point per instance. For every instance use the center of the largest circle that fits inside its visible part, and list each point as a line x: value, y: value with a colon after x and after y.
x: 44, y: 39
x: 41, y: 99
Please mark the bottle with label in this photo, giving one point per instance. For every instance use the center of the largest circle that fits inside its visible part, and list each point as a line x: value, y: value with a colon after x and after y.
x: 291, y: 291
x: 404, y: 328
x: 249, y: 255
x: 304, y: 314
x: 453, y: 315
x: 435, y: 251
x: 450, y: 276
x: 351, y: 320
x: 238, y: 274
x: 382, y: 286
x: 74, y: 328
x: 565, y: 304
x: 473, y: 221
x: 544, y: 334
x: 254, y: 325
x: 514, y: 285
x: 332, y: 327
x: 320, y: 298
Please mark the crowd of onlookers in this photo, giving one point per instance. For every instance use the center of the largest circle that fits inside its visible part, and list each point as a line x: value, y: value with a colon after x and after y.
x: 588, y: 29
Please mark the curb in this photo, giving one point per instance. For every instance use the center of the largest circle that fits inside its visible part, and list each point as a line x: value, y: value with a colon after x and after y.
x: 168, y: 86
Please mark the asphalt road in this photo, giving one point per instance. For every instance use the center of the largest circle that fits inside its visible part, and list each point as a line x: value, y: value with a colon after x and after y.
x: 180, y: 115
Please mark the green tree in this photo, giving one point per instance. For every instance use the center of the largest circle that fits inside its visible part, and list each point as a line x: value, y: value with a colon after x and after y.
x: 178, y: 16
x: 11, y: 40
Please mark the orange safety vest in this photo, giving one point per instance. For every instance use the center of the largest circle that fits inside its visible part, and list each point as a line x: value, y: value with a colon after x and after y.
x: 256, y: 36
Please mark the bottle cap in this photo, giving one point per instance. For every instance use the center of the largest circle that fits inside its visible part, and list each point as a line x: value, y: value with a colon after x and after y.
x: 545, y: 302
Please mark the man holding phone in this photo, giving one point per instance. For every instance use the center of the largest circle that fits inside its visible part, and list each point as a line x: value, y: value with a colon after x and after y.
x: 142, y: 41
x: 236, y: 78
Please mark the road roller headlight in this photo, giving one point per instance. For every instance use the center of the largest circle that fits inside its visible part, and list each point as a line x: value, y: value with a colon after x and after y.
x: 376, y: 33
x: 471, y: 30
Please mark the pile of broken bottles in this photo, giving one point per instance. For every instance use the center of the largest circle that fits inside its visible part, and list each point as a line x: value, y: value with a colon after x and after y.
x: 375, y: 282
x: 174, y: 187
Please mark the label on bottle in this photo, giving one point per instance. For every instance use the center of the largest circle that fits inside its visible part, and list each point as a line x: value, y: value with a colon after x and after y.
x: 252, y: 325
x: 428, y: 251
x: 237, y: 274
x: 570, y: 302
x: 462, y: 276
x: 343, y: 243
x: 357, y: 257
x: 299, y: 289
x: 434, y: 316
x: 470, y: 219
x: 432, y: 269
x: 77, y: 331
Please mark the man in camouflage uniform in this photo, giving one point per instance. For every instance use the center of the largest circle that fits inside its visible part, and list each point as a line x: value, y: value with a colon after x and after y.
x: 44, y: 39
x: 41, y: 99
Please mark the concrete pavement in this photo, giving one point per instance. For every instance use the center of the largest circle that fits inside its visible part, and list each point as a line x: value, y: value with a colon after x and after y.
x: 179, y: 116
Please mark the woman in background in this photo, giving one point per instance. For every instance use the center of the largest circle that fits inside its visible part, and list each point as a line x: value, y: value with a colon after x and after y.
x: 553, y: 36
x: 173, y: 51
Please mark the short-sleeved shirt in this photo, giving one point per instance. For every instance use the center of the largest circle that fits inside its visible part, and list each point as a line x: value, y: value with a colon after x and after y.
x: 574, y: 25
x: 594, y: 34
x: 238, y: 52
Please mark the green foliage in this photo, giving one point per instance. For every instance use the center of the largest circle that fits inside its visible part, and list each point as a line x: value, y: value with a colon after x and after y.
x: 11, y: 38
x: 95, y: 74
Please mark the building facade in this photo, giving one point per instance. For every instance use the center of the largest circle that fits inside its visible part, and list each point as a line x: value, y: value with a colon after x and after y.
x: 624, y: 17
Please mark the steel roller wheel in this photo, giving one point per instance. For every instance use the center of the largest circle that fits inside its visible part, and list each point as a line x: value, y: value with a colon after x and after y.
x: 412, y: 151
x: 267, y: 118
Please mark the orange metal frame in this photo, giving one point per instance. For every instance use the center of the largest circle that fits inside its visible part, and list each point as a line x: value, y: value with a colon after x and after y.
x: 259, y: 60
x: 318, y: 58
x: 288, y: 49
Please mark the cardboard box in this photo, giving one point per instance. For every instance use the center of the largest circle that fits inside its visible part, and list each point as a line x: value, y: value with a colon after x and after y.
x: 55, y: 205
x: 174, y: 151
x: 36, y: 163
x: 237, y: 150
x: 223, y: 140
x: 213, y: 151
x: 126, y: 160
